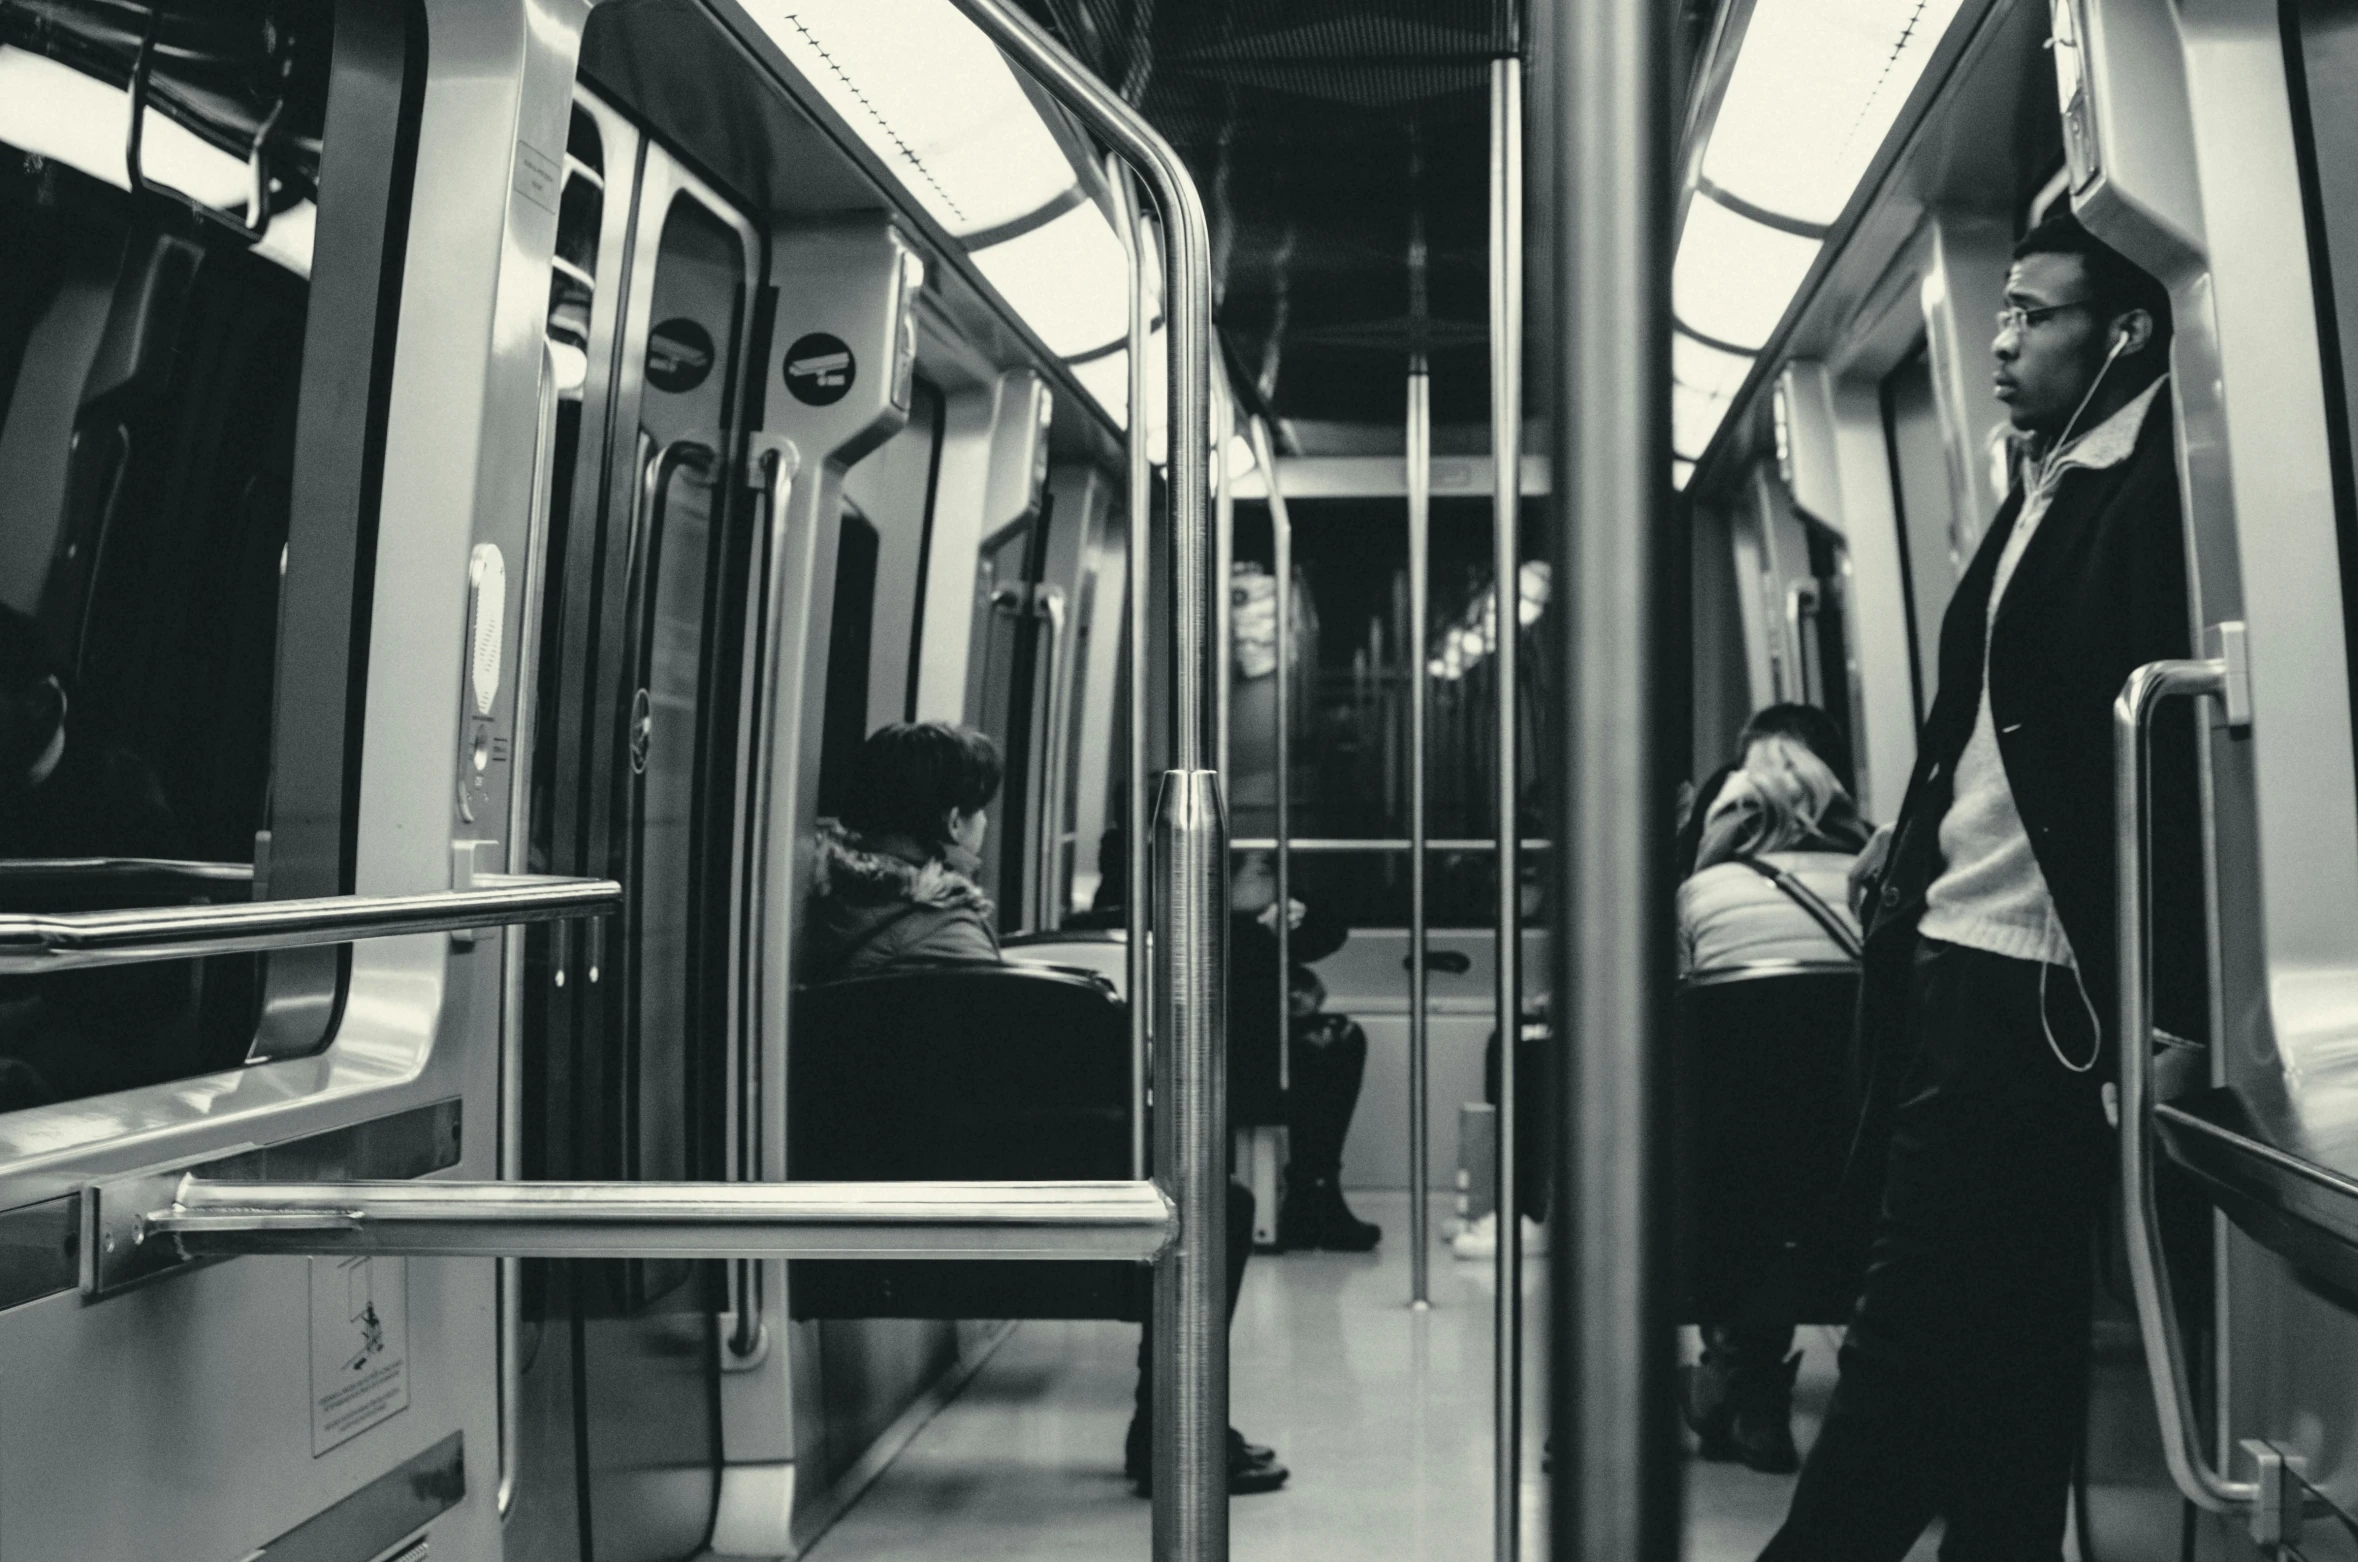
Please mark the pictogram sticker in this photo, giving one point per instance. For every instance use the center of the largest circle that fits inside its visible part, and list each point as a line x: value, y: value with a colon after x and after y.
x: 359, y: 1346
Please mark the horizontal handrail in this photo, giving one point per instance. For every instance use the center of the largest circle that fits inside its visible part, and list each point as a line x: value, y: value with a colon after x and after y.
x: 931, y: 1220
x: 78, y: 869
x: 1264, y: 843
x: 76, y: 940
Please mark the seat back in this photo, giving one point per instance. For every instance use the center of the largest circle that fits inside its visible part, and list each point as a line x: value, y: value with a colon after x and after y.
x: 1010, y: 1072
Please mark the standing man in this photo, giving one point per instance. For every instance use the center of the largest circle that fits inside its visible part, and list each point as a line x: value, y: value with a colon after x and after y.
x: 1989, y: 982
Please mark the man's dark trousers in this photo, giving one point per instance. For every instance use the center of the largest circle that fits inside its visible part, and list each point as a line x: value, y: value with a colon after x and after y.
x: 1964, y: 1371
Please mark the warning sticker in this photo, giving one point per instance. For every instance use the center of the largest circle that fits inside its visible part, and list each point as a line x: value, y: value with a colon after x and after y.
x: 359, y: 1346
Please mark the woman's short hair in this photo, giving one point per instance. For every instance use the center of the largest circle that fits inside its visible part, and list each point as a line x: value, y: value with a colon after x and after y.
x: 1812, y: 727
x: 913, y: 774
x: 1775, y: 803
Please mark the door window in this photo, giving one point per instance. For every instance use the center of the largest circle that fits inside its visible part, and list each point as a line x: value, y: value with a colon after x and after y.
x: 1000, y: 697
x: 1927, y: 522
x: 2322, y: 45
x: 158, y: 364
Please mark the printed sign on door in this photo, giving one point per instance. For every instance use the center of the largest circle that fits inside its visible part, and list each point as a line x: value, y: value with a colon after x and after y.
x: 359, y: 1346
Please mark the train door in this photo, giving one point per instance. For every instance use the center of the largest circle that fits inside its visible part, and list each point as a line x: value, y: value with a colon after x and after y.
x: 219, y: 472
x: 628, y: 1026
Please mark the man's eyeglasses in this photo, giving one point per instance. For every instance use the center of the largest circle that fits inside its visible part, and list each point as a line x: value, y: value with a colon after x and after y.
x: 2016, y: 318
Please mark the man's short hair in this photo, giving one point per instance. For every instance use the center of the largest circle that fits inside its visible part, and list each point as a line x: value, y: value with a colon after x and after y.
x: 912, y: 774
x: 2119, y: 283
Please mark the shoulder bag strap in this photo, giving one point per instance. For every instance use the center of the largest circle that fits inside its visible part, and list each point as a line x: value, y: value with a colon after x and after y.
x: 1808, y: 900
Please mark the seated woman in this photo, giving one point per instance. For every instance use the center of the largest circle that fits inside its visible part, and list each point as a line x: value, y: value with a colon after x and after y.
x: 894, y: 883
x: 894, y: 889
x: 1769, y: 887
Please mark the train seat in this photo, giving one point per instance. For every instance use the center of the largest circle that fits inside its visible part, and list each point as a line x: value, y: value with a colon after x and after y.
x: 1017, y: 1072
x: 1105, y: 951
x: 1765, y: 1055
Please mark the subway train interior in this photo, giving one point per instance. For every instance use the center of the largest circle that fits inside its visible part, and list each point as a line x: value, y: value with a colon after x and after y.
x: 433, y: 1119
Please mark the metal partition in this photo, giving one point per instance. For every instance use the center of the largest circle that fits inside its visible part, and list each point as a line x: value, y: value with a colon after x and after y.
x: 1599, y: 145
x: 1506, y: 449
x: 1420, y: 529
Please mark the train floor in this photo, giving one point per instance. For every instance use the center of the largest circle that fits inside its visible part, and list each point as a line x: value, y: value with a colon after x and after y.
x: 1384, y: 1415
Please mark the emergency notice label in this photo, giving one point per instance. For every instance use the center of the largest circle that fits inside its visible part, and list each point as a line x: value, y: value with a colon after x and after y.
x: 359, y: 1346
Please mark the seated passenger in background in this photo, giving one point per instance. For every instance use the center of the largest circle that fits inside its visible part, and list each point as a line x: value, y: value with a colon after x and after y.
x: 895, y: 879
x: 1771, y: 881
x: 1327, y: 1053
x: 894, y: 888
x: 1807, y: 725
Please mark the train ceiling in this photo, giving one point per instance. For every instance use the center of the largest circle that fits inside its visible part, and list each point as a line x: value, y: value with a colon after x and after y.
x: 1343, y: 151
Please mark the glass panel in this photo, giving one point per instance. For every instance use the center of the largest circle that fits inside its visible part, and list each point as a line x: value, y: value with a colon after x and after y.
x: 999, y: 698
x: 849, y: 648
x: 1349, y: 706
x: 1927, y: 519
x: 2323, y: 48
x: 677, y: 822
x: 151, y: 368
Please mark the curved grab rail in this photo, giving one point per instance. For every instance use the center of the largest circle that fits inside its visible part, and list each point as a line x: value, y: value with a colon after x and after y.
x: 2157, y: 1323
x: 1191, y: 891
x: 67, y: 941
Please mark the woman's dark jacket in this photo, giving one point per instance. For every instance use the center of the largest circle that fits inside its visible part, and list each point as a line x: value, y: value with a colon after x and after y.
x: 883, y: 901
x: 2099, y: 592
x: 1253, y: 1096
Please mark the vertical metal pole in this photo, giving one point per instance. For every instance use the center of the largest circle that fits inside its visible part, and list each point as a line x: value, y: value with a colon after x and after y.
x: 1601, y: 140
x: 1412, y: 655
x: 1137, y: 811
x: 1506, y: 451
x: 1190, y: 1344
x: 1224, y: 573
x: 1281, y: 537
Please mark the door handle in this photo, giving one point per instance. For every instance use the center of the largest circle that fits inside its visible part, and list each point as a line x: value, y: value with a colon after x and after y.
x: 1451, y: 962
x: 2157, y: 1321
x: 79, y: 940
x: 771, y: 467
x: 1049, y: 606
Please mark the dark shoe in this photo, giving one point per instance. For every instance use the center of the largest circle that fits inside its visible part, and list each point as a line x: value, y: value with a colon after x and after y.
x: 1252, y: 1467
x: 1315, y: 1216
x: 1761, y: 1429
x: 1706, y: 1402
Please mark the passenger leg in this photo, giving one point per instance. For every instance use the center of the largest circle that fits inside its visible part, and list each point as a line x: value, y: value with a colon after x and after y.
x: 1252, y: 1467
x: 1329, y: 1060
x: 1959, y: 1375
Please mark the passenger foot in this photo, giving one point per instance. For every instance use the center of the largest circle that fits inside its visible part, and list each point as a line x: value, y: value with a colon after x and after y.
x: 1252, y: 1467
x: 1762, y: 1426
x: 1315, y: 1216
x: 1706, y: 1403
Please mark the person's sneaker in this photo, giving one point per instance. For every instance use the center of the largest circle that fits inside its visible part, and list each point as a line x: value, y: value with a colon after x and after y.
x: 1315, y: 1216
x: 1480, y: 1240
x: 1252, y: 1467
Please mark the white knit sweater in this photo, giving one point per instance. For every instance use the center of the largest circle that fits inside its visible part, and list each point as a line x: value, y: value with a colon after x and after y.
x: 1992, y: 895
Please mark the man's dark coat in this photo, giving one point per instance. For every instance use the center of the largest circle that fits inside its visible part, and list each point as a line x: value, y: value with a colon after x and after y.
x: 2099, y: 592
